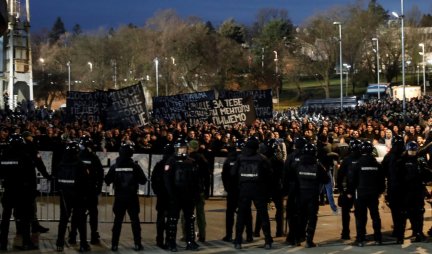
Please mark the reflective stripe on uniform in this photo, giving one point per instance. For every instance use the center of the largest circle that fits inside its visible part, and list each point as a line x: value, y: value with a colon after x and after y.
x: 124, y: 169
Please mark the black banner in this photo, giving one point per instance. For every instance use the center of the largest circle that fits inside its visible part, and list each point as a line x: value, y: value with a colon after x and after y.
x: 114, y: 108
x: 228, y: 112
x: 175, y: 107
x: 126, y: 107
x: 262, y: 100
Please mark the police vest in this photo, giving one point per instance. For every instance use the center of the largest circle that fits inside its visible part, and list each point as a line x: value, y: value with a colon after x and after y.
x: 185, y: 174
x: 248, y: 172
x: 307, y: 175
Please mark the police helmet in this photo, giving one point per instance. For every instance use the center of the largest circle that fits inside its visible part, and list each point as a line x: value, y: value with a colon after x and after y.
x: 411, y: 148
x: 72, y: 147
x: 86, y: 141
x: 300, y: 142
x: 354, y: 145
x: 16, y: 140
x: 240, y: 143
x: 127, y: 149
x: 180, y: 148
x: 168, y: 149
x: 366, y: 147
x: 397, y: 141
x: 309, y: 149
x: 252, y: 143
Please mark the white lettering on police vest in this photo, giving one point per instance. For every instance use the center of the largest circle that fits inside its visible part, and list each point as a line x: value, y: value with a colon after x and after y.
x: 9, y: 163
x: 249, y: 175
x: 369, y: 168
x: 124, y: 169
x: 307, y: 174
x: 86, y: 162
x: 66, y: 181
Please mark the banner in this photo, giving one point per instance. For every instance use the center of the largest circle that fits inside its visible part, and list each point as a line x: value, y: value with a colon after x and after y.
x: 126, y: 107
x: 115, y: 108
x: 262, y: 100
x: 175, y: 107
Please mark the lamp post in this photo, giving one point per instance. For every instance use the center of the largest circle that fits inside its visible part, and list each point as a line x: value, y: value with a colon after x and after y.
x: 378, y: 65
x: 401, y: 17
x: 90, y: 64
x: 340, y: 63
x: 424, y: 67
x: 348, y: 67
x: 156, y: 61
x: 69, y: 74
x: 276, y: 74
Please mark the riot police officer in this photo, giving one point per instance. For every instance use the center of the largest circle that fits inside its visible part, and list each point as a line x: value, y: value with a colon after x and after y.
x: 289, y: 176
x: 394, y: 186
x: 269, y: 148
x: 365, y: 186
x: 344, y: 172
x: 182, y: 183
x: 19, y: 191
x: 254, y: 174
x: 126, y: 176
x: 72, y: 178
x: 96, y: 174
x: 310, y: 176
x: 413, y: 175
x: 162, y: 198
x: 230, y: 183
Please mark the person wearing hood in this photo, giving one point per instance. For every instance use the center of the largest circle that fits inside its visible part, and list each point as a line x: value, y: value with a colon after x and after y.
x: 254, y: 174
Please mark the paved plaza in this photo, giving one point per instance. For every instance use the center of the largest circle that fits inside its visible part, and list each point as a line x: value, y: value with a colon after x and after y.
x: 327, y: 235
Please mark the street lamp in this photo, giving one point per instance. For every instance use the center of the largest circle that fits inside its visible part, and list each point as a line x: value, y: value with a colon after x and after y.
x: 401, y: 17
x: 424, y: 67
x: 276, y: 74
x: 156, y: 61
x: 91, y: 66
x: 378, y: 65
x: 42, y: 61
x: 340, y: 63
x: 69, y: 74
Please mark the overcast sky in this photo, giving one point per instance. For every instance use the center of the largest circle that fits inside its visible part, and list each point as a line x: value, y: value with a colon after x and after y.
x: 94, y: 14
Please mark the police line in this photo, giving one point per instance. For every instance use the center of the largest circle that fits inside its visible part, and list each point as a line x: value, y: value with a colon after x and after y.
x: 147, y: 163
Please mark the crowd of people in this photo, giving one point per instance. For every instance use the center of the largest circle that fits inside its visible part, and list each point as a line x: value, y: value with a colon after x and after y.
x: 292, y: 160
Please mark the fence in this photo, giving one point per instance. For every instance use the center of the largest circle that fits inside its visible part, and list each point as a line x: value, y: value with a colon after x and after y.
x: 48, y: 208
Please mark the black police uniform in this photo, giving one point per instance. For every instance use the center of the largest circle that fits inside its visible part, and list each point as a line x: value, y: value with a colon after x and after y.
x: 19, y: 182
x: 162, y: 197
x: 72, y: 178
x: 182, y: 182
x: 413, y: 175
x: 310, y: 176
x: 268, y: 148
x: 126, y: 176
x: 96, y: 175
x: 289, y: 189
x: 365, y: 186
x: 255, y: 174
x: 394, y: 185
x: 344, y: 201
x: 230, y: 183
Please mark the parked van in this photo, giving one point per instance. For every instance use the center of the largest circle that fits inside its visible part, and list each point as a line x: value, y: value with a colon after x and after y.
x: 372, y: 91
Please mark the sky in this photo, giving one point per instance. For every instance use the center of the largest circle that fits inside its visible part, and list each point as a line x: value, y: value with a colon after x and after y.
x: 95, y: 14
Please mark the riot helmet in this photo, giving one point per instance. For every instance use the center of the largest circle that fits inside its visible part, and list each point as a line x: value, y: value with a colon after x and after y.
x: 127, y: 149
x: 354, y: 145
x: 168, y: 149
x: 366, y: 147
x: 398, y: 142
x: 252, y: 143
x: 72, y: 147
x: 411, y: 148
x: 86, y: 142
x: 300, y: 142
x: 180, y: 149
x: 309, y: 149
x: 15, y: 140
